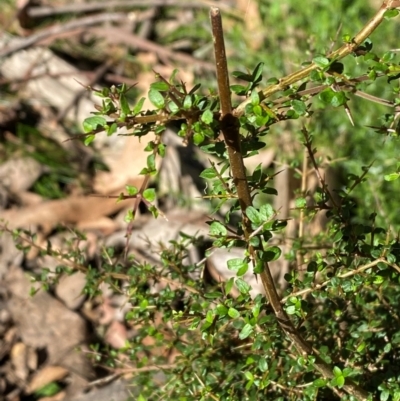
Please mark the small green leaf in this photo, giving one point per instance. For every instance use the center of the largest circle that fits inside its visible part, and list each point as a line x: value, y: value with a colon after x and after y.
x: 320, y: 383
x: 254, y: 216
x: 48, y: 390
x: 91, y: 123
x: 257, y: 73
x: 266, y: 211
x: 388, y: 57
x: 258, y: 110
x: 188, y: 102
x: 291, y: 310
x: 301, y: 202
x: 88, y: 140
x: 321, y: 62
x: 299, y: 107
x: 272, y: 253
x: 132, y: 190
x: 392, y: 176
x: 218, y: 229
x: 154, y: 211
x: 249, y: 376
x: 173, y: 75
x: 340, y: 381
x: 361, y: 347
x: 335, y: 99
x: 129, y: 216
x: 208, y: 173
x: 210, y: 316
x: 161, y: 149
x: 255, y: 97
x: 236, y: 264
x: 242, y: 286
x: 263, y: 364
x: 123, y: 103
x: 337, y: 371
x: 233, y: 313
x: 339, y: 99
x: 391, y: 14
x: 229, y: 285
x: 105, y: 92
x: 198, y: 138
x: 173, y: 107
x: 387, y: 347
x: 160, y: 86
x: 207, y: 117
x: 326, y: 95
x: 346, y: 38
x: 246, y: 331
x: 195, y: 89
x: 138, y: 107
x: 149, y: 194
x: 111, y: 129
x: 256, y: 310
x: 156, y: 98
x: 316, y: 76
x: 243, y: 270
x: 302, y: 361
x: 254, y: 241
x: 243, y: 76
x: 259, y: 267
x: 239, y: 89
x: 273, y: 81
x: 385, y: 394
x: 221, y: 310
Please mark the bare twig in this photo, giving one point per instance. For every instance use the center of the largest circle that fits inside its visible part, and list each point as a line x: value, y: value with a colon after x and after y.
x: 115, y: 35
x: 310, y: 150
x: 46, y: 11
x: 77, y: 24
x: 100, y: 72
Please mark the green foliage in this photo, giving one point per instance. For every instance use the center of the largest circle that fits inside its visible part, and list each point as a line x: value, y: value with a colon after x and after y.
x: 48, y: 390
x: 333, y: 332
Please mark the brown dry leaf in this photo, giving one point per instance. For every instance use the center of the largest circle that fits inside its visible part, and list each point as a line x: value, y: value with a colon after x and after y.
x: 125, y: 164
x: 19, y: 356
x: 75, y: 209
x: 116, y: 335
x: 44, y: 376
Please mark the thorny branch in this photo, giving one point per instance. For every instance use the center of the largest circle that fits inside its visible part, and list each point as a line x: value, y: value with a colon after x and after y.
x: 342, y: 52
x: 230, y: 129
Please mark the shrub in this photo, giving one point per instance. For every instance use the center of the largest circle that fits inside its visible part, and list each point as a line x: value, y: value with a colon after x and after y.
x: 331, y: 333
